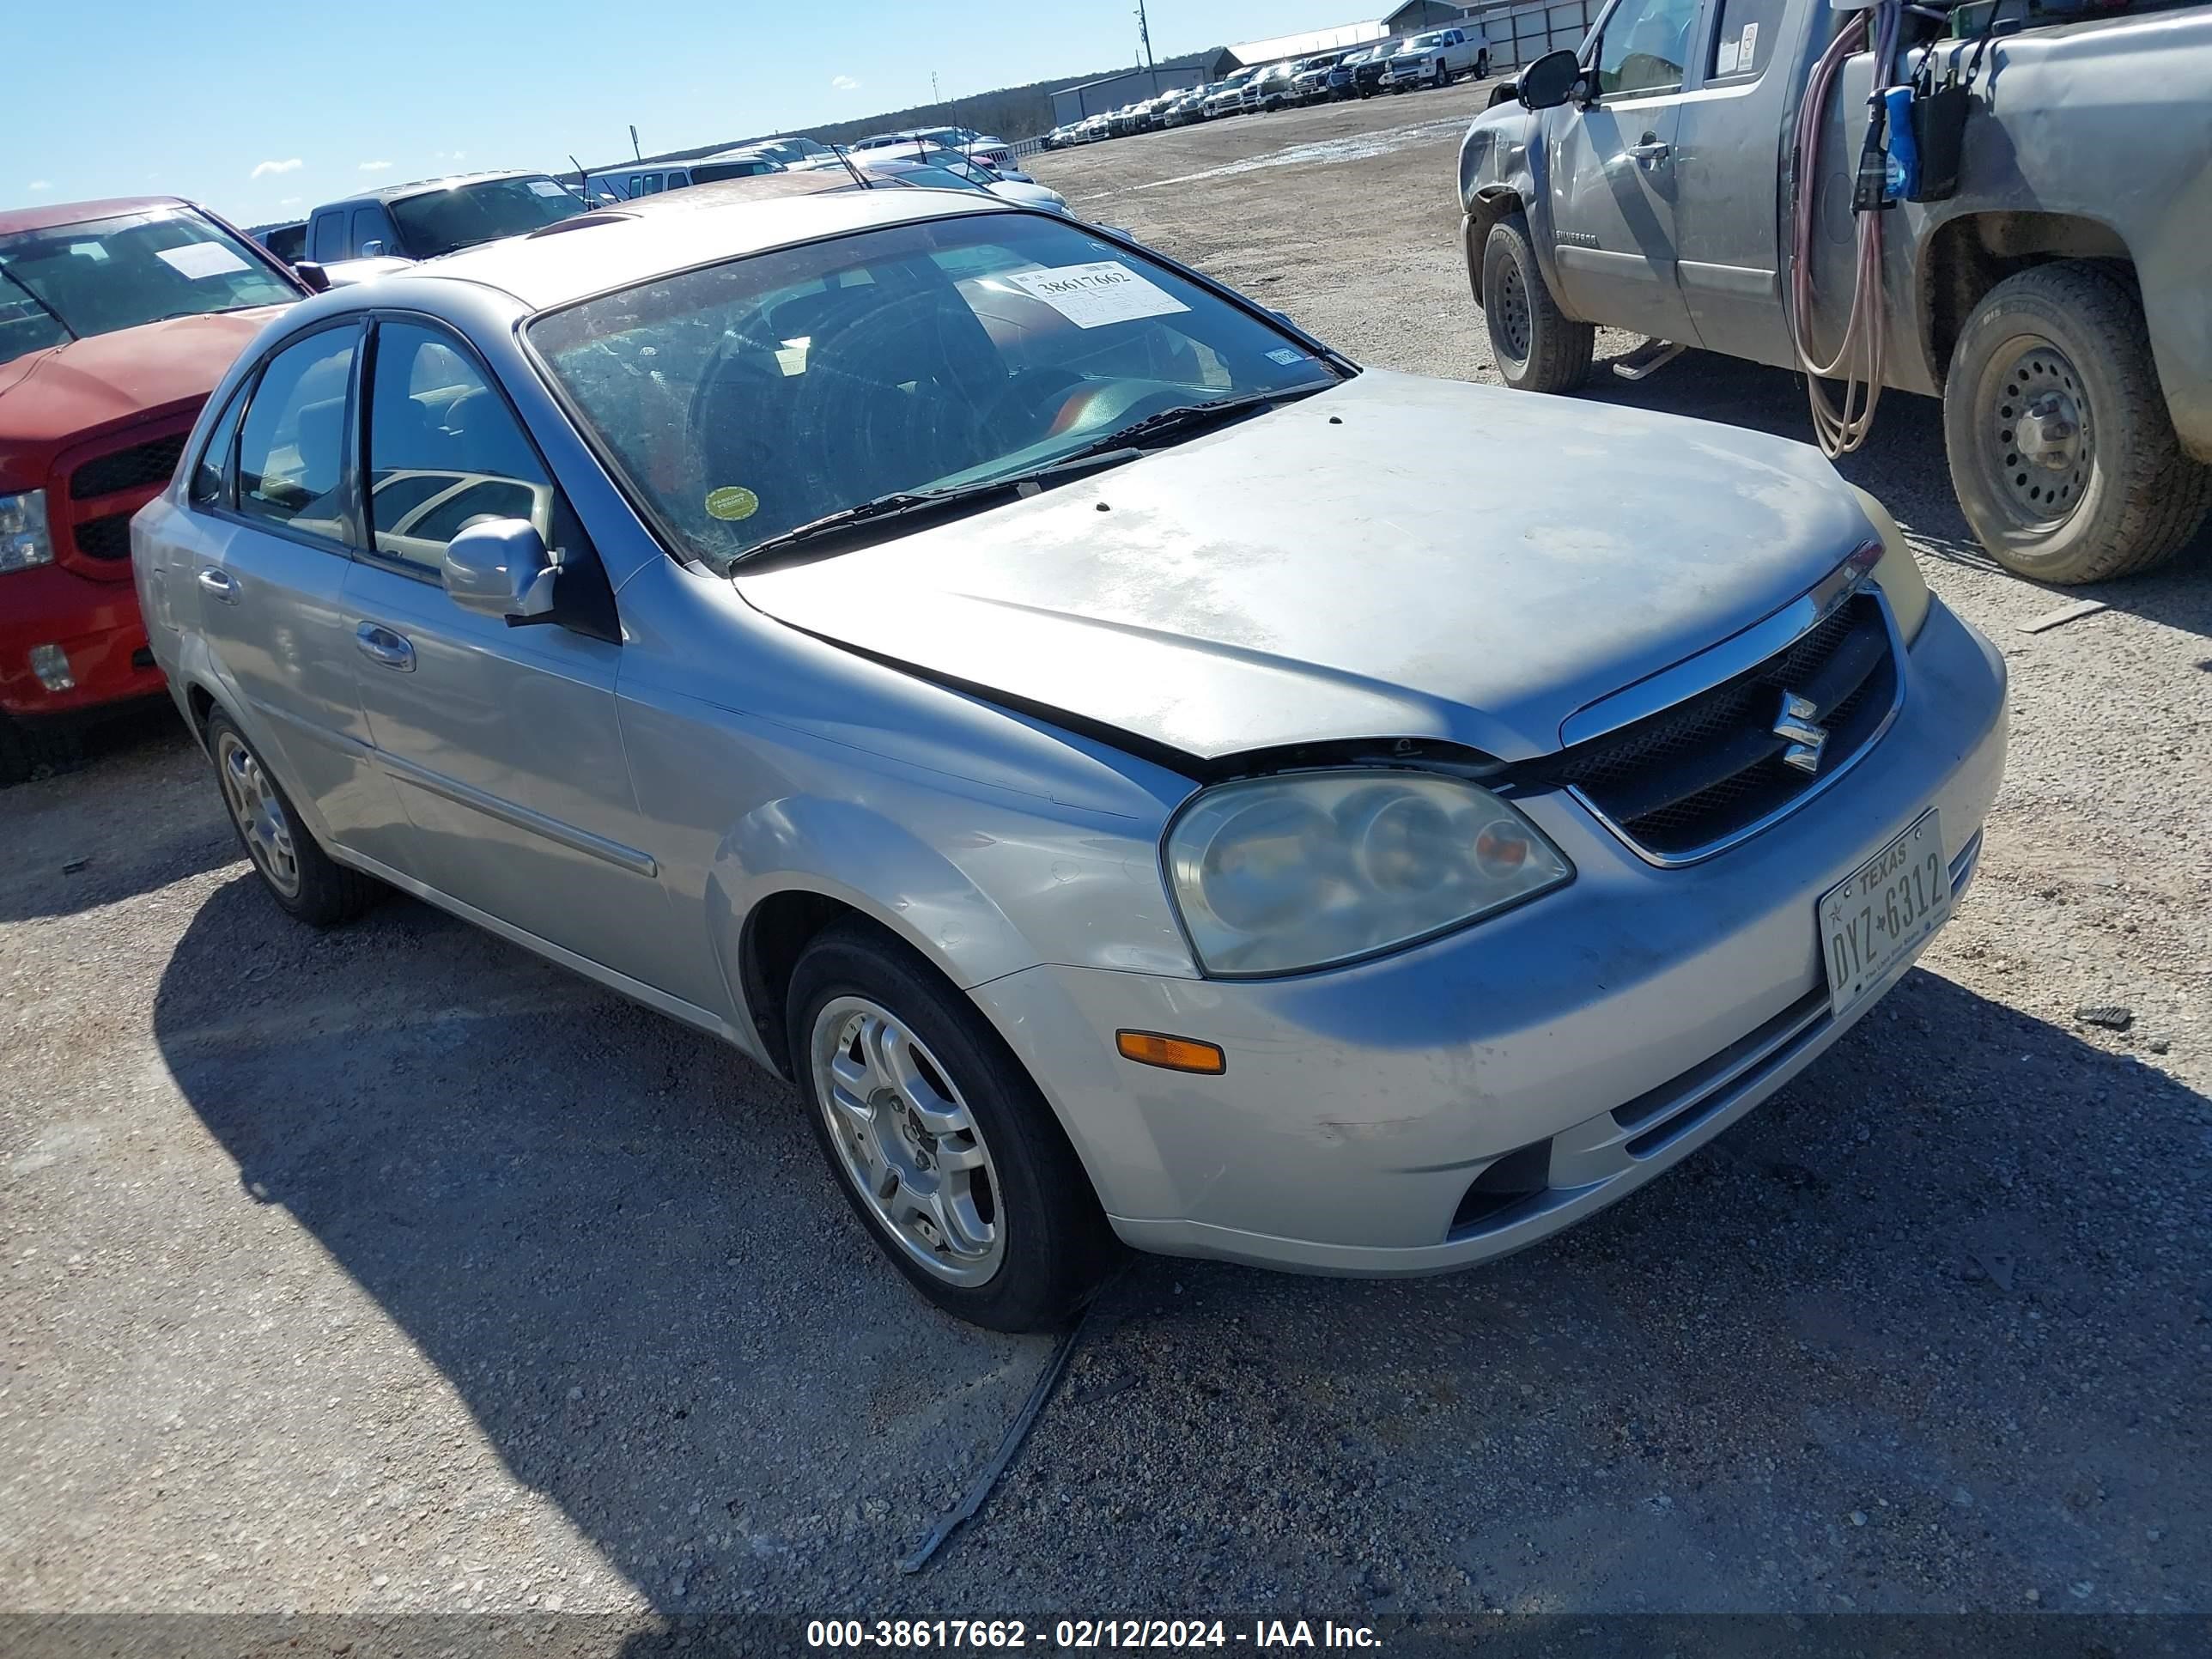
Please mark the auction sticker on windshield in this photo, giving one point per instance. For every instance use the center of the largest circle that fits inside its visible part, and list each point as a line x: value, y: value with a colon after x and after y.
x: 1886, y: 911
x: 1089, y: 297
x: 197, y: 259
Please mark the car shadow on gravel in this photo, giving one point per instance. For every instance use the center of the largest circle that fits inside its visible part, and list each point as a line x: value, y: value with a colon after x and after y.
x: 1961, y: 1255
x: 1902, y: 463
x: 613, y: 1235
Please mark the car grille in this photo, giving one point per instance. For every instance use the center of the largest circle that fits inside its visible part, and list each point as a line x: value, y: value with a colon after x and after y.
x: 105, y: 539
x: 127, y: 469
x: 1689, y: 777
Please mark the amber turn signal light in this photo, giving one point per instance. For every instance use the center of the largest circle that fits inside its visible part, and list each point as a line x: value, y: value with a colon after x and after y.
x: 1176, y: 1054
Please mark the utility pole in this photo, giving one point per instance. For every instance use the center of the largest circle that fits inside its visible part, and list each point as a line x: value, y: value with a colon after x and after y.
x: 1144, y: 34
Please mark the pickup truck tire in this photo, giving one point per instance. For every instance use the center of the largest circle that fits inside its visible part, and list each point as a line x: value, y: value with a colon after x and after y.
x: 2063, y: 457
x: 1537, y: 348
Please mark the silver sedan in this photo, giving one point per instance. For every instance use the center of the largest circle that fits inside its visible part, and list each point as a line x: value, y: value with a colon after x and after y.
x: 1075, y: 725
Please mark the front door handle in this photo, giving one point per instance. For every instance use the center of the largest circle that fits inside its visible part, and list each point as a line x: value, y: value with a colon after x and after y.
x: 383, y: 647
x: 221, y: 584
x: 1654, y: 148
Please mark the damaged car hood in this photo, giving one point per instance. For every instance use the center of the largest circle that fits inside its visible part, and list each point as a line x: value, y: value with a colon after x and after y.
x: 1396, y: 557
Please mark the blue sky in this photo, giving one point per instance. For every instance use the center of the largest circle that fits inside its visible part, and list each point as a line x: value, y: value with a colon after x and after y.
x: 263, y: 112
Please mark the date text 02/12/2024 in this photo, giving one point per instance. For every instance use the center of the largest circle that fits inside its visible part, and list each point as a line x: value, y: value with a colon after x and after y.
x: 1079, y: 1635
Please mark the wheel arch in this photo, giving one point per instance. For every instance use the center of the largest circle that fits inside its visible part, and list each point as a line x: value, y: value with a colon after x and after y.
x: 765, y: 905
x: 1971, y: 252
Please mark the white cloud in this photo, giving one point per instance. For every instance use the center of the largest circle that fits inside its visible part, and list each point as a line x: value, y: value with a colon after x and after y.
x: 290, y: 201
x: 38, y: 184
x: 374, y: 166
x: 845, y: 84
x: 262, y: 169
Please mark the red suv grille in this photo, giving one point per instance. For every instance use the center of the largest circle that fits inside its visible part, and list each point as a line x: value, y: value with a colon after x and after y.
x: 98, y: 488
x: 128, y: 469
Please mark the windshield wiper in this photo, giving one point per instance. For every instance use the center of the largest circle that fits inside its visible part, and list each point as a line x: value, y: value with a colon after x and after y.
x: 1191, y: 419
x: 917, y: 503
x: 31, y: 294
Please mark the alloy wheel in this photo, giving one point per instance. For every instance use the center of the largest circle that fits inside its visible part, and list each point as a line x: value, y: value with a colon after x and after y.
x: 260, y: 814
x: 907, y: 1141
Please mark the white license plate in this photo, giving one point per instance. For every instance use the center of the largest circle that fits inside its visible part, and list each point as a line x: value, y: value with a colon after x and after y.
x: 1885, y: 911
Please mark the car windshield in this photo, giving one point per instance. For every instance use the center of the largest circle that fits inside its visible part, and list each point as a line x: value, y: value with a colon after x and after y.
x: 749, y: 398
x: 103, y: 275
x: 444, y: 221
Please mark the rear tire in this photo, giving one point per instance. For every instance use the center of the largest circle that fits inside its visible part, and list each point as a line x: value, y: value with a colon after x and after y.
x: 1536, y: 347
x: 941, y: 1143
x: 2063, y: 457
x: 306, y: 882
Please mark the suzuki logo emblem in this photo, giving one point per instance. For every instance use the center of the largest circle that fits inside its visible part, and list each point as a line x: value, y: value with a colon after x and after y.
x: 1796, y: 726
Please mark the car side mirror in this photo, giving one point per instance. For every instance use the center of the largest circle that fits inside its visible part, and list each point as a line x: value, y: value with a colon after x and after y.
x: 500, y: 567
x: 372, y: 249
x: 1551, y: 79
x: 317, y: 279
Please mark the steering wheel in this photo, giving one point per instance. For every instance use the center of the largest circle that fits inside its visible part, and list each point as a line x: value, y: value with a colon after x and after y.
x: 1029, y: 395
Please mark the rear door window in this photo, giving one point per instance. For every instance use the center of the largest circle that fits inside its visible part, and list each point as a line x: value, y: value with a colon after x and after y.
x: 292, y: 445
x: 211, y: 484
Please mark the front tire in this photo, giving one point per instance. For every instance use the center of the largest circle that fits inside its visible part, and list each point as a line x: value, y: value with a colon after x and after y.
x: 1537, y: 348
x: 2063, y: 457
x: 941, y: 1141
x: 306, y: 882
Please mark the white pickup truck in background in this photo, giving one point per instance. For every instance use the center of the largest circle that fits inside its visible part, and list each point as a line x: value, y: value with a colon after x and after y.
x: 1436, y: 60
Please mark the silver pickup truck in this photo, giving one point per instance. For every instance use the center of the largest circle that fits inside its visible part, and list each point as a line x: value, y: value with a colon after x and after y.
x: 2051, y: 280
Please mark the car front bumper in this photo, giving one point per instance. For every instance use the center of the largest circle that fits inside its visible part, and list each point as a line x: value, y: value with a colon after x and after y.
x: 97, y: 626
x: 1614, y: 1026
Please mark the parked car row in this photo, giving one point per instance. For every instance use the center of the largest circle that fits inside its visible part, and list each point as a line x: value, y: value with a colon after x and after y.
x: 1436, y: 58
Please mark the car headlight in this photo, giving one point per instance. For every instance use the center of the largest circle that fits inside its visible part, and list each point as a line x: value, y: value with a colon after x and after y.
x: 1277, y: 875
x: 1897, y: 574
x: 23, y: 539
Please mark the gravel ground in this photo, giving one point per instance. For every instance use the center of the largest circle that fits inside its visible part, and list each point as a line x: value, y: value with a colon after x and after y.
x: 393, y: 1271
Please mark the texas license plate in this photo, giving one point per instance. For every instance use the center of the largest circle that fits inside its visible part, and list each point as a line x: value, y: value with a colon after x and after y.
x: 1884, y: 912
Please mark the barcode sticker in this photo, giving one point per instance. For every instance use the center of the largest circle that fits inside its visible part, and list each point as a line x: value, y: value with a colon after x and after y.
x: 1105, y: 291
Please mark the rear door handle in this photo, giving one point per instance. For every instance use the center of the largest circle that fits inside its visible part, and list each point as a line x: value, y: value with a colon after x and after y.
x: 1653, y: 148
x: 220, y: 583
x: 382, y: 645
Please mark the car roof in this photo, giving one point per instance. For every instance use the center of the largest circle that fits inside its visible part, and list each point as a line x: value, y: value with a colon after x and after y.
x: 49, y: 216
x: 620, y: 246
x: 389, y: 193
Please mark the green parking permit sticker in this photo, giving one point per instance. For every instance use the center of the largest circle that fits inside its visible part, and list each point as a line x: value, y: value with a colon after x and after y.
x: 731, y: 502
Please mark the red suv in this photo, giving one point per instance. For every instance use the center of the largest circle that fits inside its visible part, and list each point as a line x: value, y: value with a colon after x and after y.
x: 117, y: 318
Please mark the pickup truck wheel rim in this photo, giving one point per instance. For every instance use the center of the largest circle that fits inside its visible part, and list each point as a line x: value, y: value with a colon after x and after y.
x: 1508, y: 305
x: 2037, y: 434
x: 259, y: 815
x: 907, y: 1141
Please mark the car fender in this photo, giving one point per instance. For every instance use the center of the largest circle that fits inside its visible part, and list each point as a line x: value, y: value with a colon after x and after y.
x: 800, y: 843
x: 1503, y: 165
